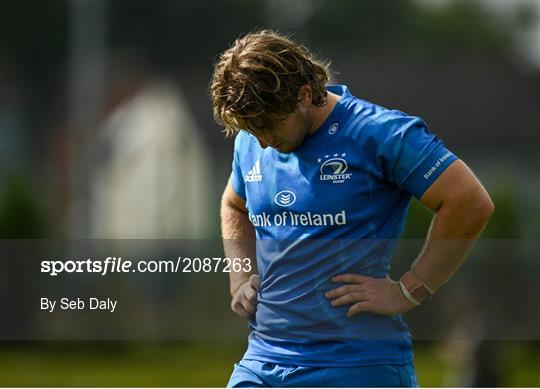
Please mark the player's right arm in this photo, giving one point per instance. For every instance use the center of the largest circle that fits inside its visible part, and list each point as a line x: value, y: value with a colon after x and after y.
x: 239, y: 242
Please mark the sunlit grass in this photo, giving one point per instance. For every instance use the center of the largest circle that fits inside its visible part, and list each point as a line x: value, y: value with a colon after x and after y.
x: 186, y: 364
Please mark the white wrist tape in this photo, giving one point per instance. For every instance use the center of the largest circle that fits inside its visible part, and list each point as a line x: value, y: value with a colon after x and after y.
x: 407, y: 294
x: 431, y: 291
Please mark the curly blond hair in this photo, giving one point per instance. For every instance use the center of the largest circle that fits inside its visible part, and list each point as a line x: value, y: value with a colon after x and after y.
x: 256, y: 81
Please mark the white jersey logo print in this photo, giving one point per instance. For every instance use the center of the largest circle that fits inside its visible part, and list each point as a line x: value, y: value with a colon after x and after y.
x: 254, y: 175
x: 334, y: 168
x: 285, y: 198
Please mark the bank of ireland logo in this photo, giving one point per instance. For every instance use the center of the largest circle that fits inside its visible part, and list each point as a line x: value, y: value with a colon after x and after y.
x: 334, y: 168
x: 285, y: 198
x: 254, y: 175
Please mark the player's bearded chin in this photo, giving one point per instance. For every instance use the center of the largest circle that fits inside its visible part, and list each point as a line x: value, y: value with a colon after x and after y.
x: 304, y: 124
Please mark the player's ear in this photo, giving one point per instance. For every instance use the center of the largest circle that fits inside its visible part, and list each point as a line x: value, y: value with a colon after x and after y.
x: 305, y: 95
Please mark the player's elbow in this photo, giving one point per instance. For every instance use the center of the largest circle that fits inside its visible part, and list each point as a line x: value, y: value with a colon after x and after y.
x: 471, y: 205
x: 482, y: 206
x: 486, y: 208
x: 477, y: 208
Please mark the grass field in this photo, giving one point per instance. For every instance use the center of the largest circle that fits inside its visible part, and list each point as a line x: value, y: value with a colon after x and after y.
x: 186, y: 364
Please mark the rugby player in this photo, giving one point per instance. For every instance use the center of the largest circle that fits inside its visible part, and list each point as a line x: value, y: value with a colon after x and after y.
x: 320, y: 185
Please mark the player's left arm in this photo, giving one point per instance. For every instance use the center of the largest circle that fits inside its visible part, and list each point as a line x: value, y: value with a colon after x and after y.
x: 462, y: 208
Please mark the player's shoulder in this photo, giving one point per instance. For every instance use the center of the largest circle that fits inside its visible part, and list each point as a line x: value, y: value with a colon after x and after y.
x: 242, y: 140
x: 365, y: 119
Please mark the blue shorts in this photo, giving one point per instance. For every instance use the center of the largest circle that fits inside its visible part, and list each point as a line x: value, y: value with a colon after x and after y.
x: 256, y: 374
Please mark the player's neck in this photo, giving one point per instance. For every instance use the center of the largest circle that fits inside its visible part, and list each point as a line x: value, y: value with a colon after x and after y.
x: 320, y: 114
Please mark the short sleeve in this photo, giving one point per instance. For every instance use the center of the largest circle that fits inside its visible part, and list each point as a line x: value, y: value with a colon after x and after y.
x: 411, y: 156
x: 236, y: 175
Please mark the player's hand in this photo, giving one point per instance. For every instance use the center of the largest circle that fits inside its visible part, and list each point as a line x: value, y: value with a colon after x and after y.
x: 367, y: 294
x: 244, y: 302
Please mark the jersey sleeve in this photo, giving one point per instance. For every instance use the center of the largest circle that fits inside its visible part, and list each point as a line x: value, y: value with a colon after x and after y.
x: 411, y: 156
x: 236, y: 179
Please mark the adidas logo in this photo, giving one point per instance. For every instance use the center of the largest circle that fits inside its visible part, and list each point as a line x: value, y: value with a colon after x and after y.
x: 254, y: 175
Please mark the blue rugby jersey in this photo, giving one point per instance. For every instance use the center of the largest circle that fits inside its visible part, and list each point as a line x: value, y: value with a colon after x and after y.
x: 334, y: 205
